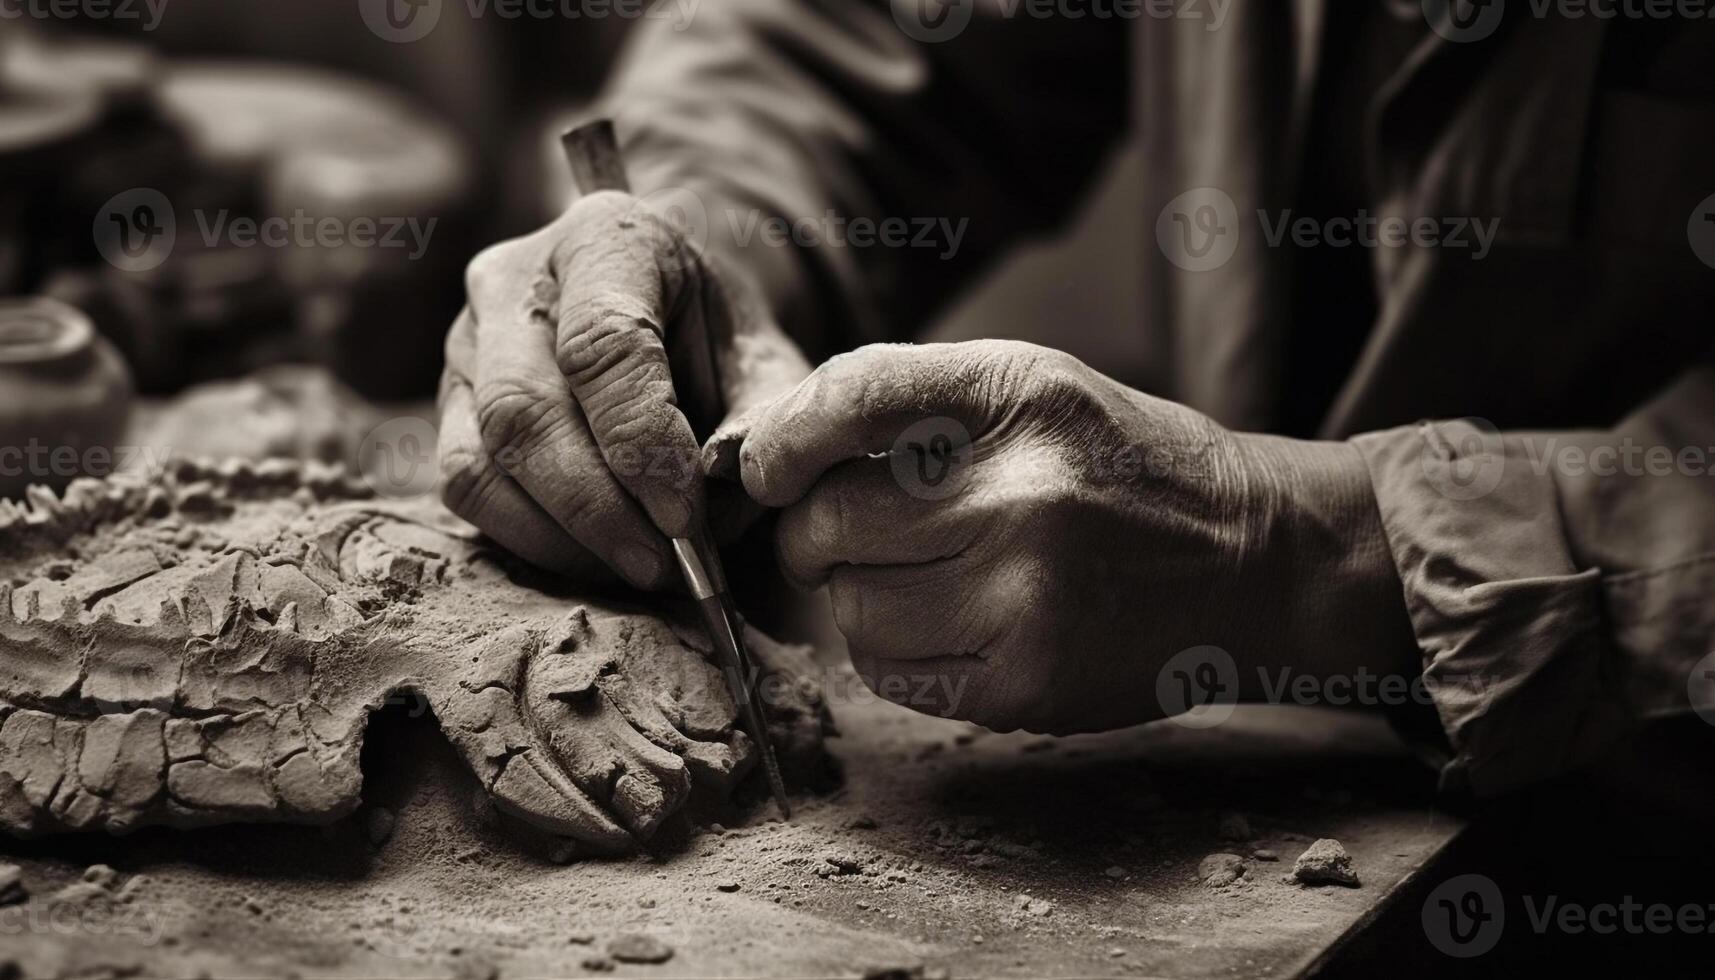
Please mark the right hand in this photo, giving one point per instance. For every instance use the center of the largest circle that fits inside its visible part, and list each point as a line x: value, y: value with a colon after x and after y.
x: 573, y: 378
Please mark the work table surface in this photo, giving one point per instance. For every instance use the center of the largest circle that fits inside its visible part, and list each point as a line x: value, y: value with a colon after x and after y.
x: 946, y: 848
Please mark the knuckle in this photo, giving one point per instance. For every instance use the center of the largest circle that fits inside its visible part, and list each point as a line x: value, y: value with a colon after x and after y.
x: 623, y: 381
x: 483, y: 268
x: 511, y: 414
x: 1062, y: 387
x: 591, y: 513
x: 606, y: 332
x: 455, y: 347
x: 465, y: 482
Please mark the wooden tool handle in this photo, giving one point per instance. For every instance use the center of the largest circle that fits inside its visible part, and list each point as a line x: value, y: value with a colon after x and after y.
x: 593, y: 152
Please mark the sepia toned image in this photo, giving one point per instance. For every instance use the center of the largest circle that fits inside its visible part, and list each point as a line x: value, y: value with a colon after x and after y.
x: 883, y: 489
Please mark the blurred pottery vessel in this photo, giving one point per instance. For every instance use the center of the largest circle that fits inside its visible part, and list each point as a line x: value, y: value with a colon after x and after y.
x: 65, y: 397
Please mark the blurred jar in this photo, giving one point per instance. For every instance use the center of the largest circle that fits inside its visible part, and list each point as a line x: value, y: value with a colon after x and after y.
x: 129, y: 145
x: 67, y: 397
x: 371, y: 197
x: 39, y: 133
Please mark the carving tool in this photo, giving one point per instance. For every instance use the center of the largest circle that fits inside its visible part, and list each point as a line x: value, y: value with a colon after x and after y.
x: 593, y: 153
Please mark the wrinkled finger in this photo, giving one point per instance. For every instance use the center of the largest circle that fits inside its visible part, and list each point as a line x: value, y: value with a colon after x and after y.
x: 861, y: 403
x: 459, y: 350
x: 537, y: 434
x: 859, y: 514
x: 478, y: 491
x: 623, y: 274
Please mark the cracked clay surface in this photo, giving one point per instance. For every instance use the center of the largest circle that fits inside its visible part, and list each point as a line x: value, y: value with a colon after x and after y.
x: 206, y: 646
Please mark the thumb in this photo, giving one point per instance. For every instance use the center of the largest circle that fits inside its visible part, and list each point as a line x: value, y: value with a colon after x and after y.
x: 858, y: 404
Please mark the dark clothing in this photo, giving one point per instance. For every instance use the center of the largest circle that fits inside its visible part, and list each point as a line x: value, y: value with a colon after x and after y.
x: 1556, y: 602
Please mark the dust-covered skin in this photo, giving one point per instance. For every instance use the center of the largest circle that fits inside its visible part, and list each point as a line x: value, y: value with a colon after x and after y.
x: 1011, y: 538
x: 205, y: 647
x: 592, y: 355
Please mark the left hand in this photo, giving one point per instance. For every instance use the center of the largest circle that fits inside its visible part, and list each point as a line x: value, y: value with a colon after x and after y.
x: 1012, y: 538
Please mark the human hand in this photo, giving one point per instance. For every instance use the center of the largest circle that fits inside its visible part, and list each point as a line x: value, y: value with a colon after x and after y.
x: 1038, y: 540
x: 590, y: 357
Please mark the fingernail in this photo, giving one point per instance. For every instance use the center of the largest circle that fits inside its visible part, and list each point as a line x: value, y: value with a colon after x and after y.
x: 641, y: 566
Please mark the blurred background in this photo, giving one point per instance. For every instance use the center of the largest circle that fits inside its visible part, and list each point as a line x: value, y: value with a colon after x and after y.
x: 121, y: 120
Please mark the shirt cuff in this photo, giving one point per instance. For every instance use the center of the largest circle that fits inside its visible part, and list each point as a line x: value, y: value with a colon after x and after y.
x: 1516, y: 657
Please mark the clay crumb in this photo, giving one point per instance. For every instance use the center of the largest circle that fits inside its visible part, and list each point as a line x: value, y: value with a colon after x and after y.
x: 597, y: 964
x: 1115, y: 872
x: 1220, y: 869
x: 79, y: 894
x: 1325, y: 862
x: 475, y: 968
x: 101, y: 874
x: 1030, y: 905
x: 12, y: 890
x: 1264, y: 854
x: 636, y: 948
x: 843, y: 863
x: 919, y: 972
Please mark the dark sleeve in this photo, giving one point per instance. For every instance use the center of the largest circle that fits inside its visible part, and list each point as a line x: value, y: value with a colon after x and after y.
x: 829, y: 110
x: 1561, y: 584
